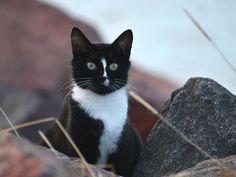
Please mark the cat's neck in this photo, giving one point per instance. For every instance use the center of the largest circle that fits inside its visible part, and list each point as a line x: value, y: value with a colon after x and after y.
x: 103, y: 107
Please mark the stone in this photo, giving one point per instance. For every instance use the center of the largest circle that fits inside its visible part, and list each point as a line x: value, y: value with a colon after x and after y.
x: 20, y: 158
x: 35, y: 46
x: 17, y: 104
x: 209, y: 168
x: 22, y: 106
x: 202, y: 110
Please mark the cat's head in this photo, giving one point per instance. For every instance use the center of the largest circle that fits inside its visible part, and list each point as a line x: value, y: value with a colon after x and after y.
x: 101, y: 68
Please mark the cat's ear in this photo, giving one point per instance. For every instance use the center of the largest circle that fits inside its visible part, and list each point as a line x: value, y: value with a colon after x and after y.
x: 124, y: 41
x: 79, y: 40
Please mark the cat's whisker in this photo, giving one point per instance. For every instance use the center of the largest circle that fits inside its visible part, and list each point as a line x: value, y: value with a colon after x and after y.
x: 67, y: 96
x: 120, y: 84
x: 122, y: 80
x: 89, y: 86
x: 84, y: 84
x: 116, y: 86
x: 82, y: 78
x: 65, y: 84
x: 69, y: 87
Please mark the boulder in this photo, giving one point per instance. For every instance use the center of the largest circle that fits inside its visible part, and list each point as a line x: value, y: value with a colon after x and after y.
x: 202, y: 110
x: 209, y: 168
x: 35, y: 46
x: 20, y: 158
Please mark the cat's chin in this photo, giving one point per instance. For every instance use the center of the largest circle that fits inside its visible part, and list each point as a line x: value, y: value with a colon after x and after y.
x: 101, y: 89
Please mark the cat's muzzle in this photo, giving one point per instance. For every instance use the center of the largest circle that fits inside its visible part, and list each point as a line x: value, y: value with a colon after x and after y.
x: 105, y: 81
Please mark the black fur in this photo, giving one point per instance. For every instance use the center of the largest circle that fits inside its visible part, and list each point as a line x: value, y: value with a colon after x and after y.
x: 85, y: 130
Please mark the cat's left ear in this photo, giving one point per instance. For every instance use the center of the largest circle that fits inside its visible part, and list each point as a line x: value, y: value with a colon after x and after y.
x: 124, y: 41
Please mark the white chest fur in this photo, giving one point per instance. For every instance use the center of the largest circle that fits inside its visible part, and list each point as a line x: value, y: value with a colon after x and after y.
x: 111, y: 109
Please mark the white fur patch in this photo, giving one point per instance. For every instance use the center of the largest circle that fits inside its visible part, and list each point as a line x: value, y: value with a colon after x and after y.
x: 111, y: 109
x: 104, y: 64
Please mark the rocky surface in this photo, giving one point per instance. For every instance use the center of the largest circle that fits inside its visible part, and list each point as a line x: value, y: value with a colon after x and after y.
x: 209, y: 168
x: 202, y: 110
x: 19, y: 158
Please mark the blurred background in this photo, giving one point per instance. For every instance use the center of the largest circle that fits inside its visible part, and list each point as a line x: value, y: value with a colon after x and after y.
x: 167, y: 50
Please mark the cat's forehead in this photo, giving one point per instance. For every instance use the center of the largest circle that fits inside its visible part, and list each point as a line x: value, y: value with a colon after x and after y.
x: 103, y: 48
x: 103, y: 51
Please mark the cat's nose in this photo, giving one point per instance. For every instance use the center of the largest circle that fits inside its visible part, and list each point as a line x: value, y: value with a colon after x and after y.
x: 105, y: 81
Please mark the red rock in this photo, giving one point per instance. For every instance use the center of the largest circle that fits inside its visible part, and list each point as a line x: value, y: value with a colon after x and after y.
x: 35, y: 44
x: 19, y: 158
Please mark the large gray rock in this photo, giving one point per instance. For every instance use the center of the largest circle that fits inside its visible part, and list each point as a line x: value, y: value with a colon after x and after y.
x: 209, y: 168
x: 202, y: 110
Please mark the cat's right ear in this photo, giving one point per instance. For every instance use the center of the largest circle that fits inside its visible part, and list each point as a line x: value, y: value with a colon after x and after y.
x: 78, y: 41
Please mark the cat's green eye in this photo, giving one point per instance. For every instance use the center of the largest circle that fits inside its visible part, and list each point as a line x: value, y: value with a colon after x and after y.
x: 113, y: 66
x: 91, y: 66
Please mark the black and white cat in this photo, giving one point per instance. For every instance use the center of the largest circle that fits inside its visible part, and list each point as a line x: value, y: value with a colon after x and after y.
x: 96, y: 114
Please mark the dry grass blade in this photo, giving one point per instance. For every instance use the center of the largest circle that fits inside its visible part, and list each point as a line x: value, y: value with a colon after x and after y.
x: 185, y: 138
x: 75, y: 147
x: 109, y: 166
x: 199, y: 27
x: 10, y: 123
x: 45, y: 139
x: 28, y: 124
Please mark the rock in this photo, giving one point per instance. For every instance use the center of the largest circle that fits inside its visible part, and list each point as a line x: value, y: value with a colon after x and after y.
x: 209, y: 168
x: 19, y: 158
x: 35, y: 46
x: 202, y: 110
x: 22, y: 106
x: 17, y: 104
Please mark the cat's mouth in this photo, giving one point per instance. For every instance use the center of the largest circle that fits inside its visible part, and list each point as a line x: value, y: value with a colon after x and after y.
x: 102, y: 86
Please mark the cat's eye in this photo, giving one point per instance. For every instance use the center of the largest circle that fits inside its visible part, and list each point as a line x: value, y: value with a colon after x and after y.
x: 113, y: 66
x: 91, y: 66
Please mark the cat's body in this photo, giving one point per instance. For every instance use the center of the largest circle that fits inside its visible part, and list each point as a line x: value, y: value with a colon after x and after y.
x: 95, y: 114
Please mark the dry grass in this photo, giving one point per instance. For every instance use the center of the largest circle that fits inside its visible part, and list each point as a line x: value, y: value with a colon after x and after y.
x: 206, y: 35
